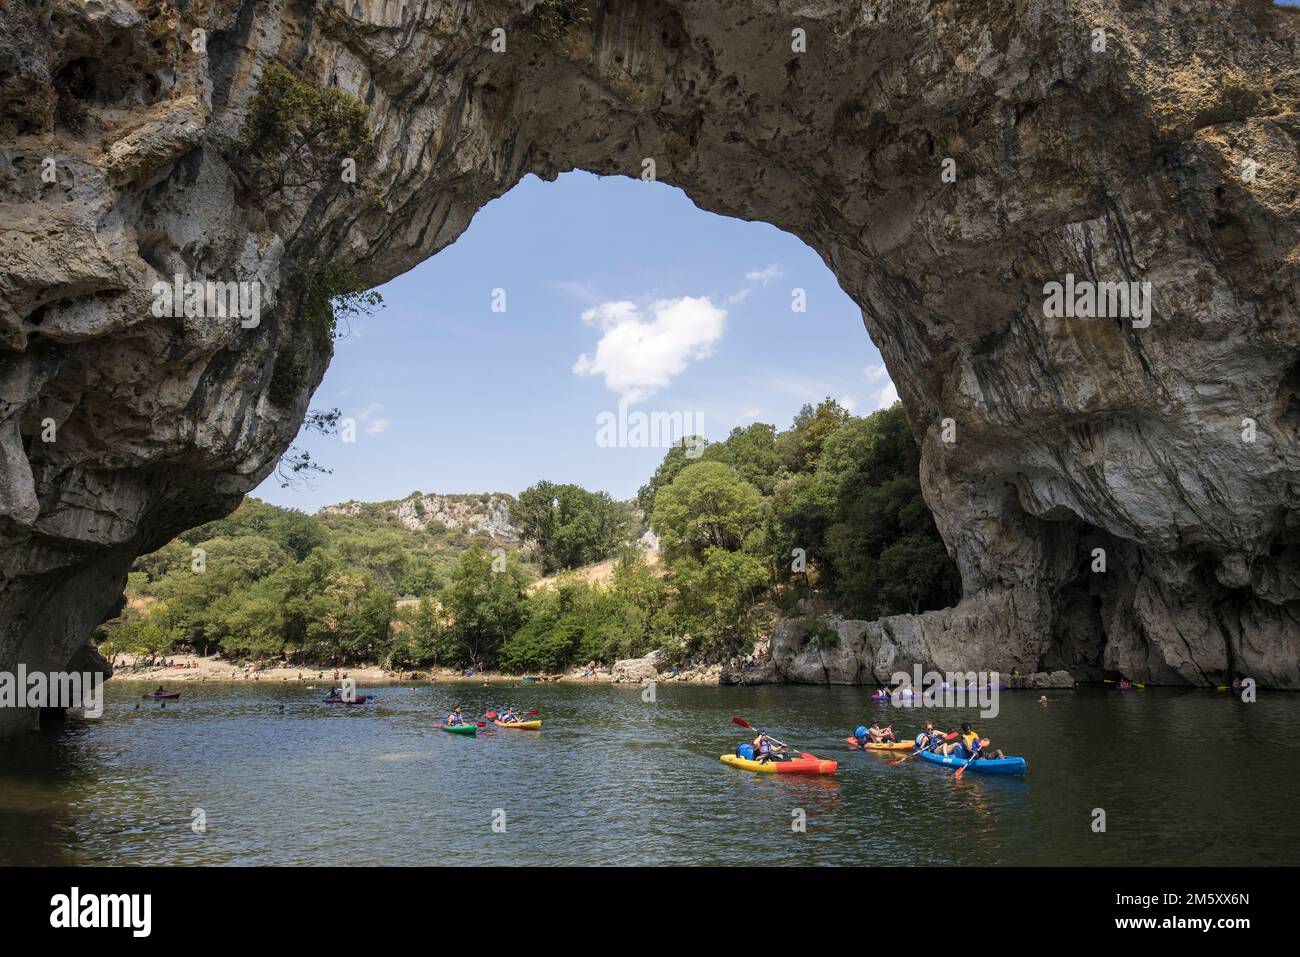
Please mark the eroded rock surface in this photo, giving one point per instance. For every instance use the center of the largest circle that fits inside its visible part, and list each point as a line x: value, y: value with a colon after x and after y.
x: 1169, y: 157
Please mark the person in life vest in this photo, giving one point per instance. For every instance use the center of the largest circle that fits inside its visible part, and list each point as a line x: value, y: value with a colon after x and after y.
x: 508, y: 716
x: 957, y: 749
x: 880, y: 735
x: 765, y: 749
x: 929, y: 739
x: 455, y: 717
x: 975, y: 747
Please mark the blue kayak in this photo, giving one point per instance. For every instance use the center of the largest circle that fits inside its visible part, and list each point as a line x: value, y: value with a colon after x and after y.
x: 982, y: 766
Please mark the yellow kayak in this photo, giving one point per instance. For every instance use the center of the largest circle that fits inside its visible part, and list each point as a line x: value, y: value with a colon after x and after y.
x: 882, y: 746
x: 521, y: 725
x: 804, y: 764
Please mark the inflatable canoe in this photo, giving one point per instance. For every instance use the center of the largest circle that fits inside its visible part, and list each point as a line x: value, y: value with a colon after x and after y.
x: 521, y: 725
x: 883, y: 746
x: 804, y: 764
x: 990, y: 766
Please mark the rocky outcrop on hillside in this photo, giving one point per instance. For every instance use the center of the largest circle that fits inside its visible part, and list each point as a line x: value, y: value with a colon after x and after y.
x: 947, y: 160
x: 488, y: 514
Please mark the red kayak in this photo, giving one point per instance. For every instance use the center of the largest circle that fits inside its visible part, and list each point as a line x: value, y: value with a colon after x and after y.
x: 165, y: 696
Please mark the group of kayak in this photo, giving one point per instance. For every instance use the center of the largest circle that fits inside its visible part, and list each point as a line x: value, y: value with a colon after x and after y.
x: 962, y: 750
x: 457, y: 723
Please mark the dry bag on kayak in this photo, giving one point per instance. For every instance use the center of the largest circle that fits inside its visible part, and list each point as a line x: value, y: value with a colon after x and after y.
x: 860, y: 732
x: 745, y: 751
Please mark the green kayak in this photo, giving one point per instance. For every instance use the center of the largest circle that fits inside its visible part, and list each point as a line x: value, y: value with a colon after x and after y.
x: 460, y: 728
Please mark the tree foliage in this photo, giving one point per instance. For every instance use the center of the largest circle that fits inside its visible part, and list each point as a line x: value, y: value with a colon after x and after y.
x: 569, y: 526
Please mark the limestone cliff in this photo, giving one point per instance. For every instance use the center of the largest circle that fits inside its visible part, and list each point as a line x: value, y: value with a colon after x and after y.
x: 1107, y: 140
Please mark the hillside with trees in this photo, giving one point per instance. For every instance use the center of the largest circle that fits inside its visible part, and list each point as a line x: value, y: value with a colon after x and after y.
x: 830, y: 509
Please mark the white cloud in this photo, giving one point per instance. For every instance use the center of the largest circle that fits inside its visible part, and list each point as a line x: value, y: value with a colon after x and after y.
x: 887, y: 396
x: 875, y: 373
x: 642, y: 351
x: 765, y: 275
x: 848, y: 402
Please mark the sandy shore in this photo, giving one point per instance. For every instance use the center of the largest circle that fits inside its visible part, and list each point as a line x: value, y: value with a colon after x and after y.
x: 198, y: 668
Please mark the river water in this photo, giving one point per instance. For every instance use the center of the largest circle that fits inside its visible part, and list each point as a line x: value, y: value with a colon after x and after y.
x: 1183, y: 777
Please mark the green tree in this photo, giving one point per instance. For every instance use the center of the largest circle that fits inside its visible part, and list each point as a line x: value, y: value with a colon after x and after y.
x: 707, y: 505
x: 915, y: 571
x: 717, y: 595
x: 800, y: 447
x: 752, y: 452
x: 569, y: 526
x: 296, y: 136
x: 485, y: 601
x: 681, y: 454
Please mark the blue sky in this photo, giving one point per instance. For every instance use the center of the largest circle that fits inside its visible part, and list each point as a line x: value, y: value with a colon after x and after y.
x: 615, y: 290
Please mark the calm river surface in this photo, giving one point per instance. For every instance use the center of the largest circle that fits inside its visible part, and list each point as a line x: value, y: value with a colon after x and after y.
x: 1184, y: 778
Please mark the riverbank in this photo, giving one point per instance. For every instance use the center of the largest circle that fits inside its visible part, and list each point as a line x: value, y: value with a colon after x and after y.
x: 197, y: 668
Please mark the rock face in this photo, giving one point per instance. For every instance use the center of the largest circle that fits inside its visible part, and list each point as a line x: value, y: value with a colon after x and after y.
x: 489, y: 514
x: 831, y: 650
x: 946, y: 159
x: 637, y: 670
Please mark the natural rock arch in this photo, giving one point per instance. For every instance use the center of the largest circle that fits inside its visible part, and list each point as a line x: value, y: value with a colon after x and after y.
x: 1122, y: 160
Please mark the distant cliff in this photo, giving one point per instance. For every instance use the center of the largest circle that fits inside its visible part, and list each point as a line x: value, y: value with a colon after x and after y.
x: 485, y: 514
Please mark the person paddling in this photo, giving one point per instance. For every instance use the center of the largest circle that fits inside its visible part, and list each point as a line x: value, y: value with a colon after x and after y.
x: 765, y: 749
x: 975, y: 747
x: 508, y: 716
x: 878, y: 734
x: 455, y: 717
x: 929, y: 739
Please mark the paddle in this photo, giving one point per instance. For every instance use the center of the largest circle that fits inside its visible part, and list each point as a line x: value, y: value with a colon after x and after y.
x: 745, y: 724
x: 947, y: 737
x: 962, y: 769
x: 1132, y: 684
